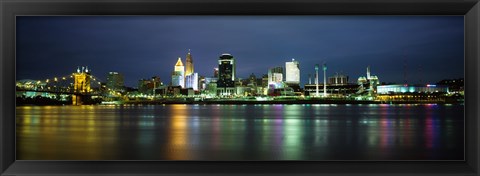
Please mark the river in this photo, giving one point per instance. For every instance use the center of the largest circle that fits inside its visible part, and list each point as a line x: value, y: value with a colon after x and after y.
x: 241, y: 132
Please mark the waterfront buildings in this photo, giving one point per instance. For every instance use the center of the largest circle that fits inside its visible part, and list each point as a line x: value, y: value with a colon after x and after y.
x: 292, y: 72
x: 401, y: 89
x: 337, y: 86
x: 178, y: 75
x: 191, y: 81
x: 275, y: 77
x: 189, y: 64
x: 191, y: 77
x: 115, y: 81
x: 226, y: 75
x: 405, y: 92
x: 338, y: 79
x: 148, y: 86
x: 368, y: 84
x: 454, y: 85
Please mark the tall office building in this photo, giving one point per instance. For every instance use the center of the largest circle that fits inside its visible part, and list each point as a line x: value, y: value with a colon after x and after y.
x: 115, y: 81
x: 189, y: 64
x: 191, y: 78
x: 191, y: 81
x: 226, y: 75
x: 292, y: 72
x: 178, y: 75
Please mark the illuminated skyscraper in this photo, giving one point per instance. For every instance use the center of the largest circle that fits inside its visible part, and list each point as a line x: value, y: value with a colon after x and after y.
x: 191, y: 81
x: 189, y: 64
x: 292, y: 72
x: 178, y: 75
x: 115, y: 81
x: 191, y: 78
x: 226, y: 75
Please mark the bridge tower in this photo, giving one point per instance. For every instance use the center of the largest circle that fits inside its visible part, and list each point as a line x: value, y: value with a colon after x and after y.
x: 81, y: 85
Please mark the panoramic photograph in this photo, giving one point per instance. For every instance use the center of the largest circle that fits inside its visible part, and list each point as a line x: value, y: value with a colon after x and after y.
x: 240, y: 88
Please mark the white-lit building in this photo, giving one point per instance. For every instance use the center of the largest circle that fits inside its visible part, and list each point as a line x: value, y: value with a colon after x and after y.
x: 399, y: 89
x: 178, y: 75
x: 191, y: 81
x: 191, y: 78
x: 292, y: 72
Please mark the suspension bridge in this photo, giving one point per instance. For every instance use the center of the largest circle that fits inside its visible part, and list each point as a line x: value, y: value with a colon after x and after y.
x: 80, y: 85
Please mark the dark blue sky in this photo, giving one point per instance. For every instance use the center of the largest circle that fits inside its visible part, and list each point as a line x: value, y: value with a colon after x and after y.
x: 144, y: 46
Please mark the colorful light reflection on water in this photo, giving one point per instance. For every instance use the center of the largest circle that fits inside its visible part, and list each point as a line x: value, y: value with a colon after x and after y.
x: 240, y: 132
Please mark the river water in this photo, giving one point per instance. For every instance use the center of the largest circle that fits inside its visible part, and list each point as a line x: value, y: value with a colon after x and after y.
x: 241, y: 132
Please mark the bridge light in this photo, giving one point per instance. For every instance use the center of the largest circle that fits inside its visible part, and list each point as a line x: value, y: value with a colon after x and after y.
x: 55, y: 79
x: 63, y: 78
x: 47, y: 80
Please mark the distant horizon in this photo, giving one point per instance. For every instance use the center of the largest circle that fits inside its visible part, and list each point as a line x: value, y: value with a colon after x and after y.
x: 431, y: 48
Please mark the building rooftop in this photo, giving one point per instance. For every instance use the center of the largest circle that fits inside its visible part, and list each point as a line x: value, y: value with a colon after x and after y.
x: 179, y: 62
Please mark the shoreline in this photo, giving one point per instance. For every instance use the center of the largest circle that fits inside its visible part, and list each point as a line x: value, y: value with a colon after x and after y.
x: 254, y: 102
x: 247, y: 102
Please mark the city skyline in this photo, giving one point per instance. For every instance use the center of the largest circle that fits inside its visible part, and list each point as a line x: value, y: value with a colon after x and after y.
x: 431, y: 47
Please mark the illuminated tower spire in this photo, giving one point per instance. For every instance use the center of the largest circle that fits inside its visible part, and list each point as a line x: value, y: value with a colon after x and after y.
x: 189, y: 64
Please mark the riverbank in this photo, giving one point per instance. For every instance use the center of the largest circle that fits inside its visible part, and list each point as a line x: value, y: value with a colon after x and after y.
x: 286, y: 102
x: 237, y: 101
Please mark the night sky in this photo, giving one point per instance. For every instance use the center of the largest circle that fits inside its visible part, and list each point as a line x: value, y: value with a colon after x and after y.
x: 432, y: 47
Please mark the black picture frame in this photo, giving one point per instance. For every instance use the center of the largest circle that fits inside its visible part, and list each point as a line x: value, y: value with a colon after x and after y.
x: 11, y: 8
